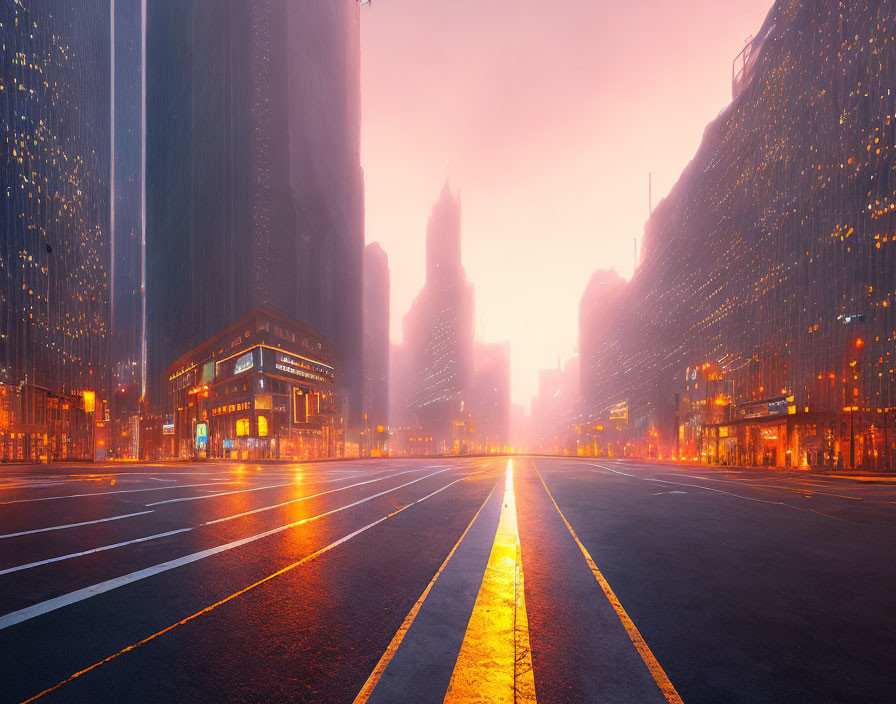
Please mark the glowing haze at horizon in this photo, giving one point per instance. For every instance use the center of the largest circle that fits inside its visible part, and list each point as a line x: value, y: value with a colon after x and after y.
x: 547, y: 117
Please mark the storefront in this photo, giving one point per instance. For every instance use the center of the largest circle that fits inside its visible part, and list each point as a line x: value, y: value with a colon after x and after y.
x: 37, y: 425
x: 262, y: 389
x: 769, y: 433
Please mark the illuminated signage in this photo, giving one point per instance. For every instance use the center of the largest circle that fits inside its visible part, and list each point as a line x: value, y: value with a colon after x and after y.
x: 231, y: 408
x: 303, y: 368
x: 90, y: 401
x: 619, y: 412
x: 299, y: 405
x: 208, y: 372
x: 201, y: 435
x: 243, y: 363
x: 168, y: 429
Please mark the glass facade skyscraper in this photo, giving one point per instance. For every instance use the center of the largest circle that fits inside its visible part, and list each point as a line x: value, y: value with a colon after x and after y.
x: 254, y: 185
x: 55, y: 217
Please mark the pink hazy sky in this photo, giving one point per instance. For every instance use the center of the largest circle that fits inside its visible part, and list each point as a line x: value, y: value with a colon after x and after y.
x: 547, y: 116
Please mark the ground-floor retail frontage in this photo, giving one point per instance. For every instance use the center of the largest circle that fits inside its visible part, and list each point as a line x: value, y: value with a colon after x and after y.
x: 818, y: 440
x: 264, y: 388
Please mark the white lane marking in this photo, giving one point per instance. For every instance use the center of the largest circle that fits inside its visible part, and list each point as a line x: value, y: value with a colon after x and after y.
x: 663, y: 493
x: 234, y: 595
x: 29, y: 565
x: 73, y: 525
x: 104, y: 493
x: 310, y: 496
x: 719, y: 491
x: 184, y: 530
x: 59, y: 602
x: 221, y: 493
x: 156, y: 479
x: 292, y: 483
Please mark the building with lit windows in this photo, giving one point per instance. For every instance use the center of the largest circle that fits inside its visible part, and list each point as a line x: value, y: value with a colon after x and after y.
x: 127, y: 285
x: 438, y: 333
x: 254, y: 183
x: 376, y: 349
x: 772, y: 259
x: 54, y: 218
x: 263, y: 388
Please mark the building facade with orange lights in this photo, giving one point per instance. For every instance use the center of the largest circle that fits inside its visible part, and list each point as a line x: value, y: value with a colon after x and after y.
x: 263, y: 388
x: 771, y: 263
x: 54, y: 219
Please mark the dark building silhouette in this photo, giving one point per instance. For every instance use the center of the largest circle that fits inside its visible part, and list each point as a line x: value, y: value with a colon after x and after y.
x: 376, y: 341
x: 54, y: 217
x: 438, y: 330
x: 770, y: 264
x: 254, y: 185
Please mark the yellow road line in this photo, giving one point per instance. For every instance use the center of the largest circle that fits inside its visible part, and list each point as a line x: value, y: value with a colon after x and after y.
x: 656, y: 670
x: 495, y: 661
x: 384, y: 661
x: 242, y: 591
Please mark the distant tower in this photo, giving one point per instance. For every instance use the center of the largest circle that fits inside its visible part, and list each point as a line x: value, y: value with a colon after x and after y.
x: 438, y: 329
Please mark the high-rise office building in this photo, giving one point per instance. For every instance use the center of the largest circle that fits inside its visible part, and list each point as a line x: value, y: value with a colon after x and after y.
x: 438, y: 329
x: 128, y: 350
x: 766, y: 278
x: 54, y: 250
x: 254, y: 184
x: 376, y: 341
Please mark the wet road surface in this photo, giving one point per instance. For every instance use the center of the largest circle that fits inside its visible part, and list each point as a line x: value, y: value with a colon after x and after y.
x: 445, y: 580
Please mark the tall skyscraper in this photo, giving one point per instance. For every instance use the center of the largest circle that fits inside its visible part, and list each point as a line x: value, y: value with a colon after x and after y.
x: 438, y: 329
x: 769, y: 265
x: 254, y: 184
x: 128, y: 351
x: 54, y: 217
x: 376, y: 336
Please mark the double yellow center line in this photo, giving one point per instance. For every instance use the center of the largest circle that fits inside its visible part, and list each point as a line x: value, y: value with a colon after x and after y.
x: 495, y: 661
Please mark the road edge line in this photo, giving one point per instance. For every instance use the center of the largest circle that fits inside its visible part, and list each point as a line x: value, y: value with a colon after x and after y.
x: 656, y: 670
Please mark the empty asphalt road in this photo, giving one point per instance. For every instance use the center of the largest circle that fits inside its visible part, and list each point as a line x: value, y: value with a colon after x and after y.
x: 445, y: 580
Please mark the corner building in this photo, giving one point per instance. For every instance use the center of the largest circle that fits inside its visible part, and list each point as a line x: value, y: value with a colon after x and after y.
x: 771, y: 260
x: 263, y: 388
